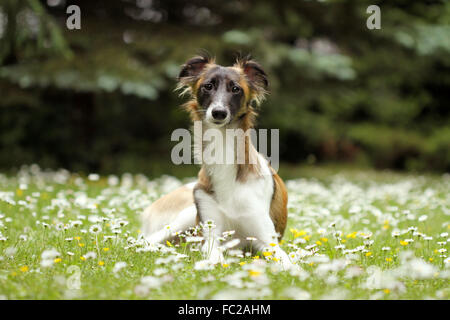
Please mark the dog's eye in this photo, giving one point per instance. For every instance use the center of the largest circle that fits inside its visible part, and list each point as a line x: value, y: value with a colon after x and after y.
x: 208, y: 86
x: 235, y: 89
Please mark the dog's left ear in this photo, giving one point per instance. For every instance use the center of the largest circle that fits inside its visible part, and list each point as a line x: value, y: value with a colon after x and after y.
x: 256, y: 77
x: 255, y: 74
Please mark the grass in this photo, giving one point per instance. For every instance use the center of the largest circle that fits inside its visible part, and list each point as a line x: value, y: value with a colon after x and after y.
x: 354, y: 234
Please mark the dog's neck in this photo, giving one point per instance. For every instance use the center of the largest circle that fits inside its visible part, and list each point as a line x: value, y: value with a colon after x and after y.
x: 237, y: 159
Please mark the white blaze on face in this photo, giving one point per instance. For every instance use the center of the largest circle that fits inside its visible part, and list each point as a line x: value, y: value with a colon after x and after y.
x: 218, y: 104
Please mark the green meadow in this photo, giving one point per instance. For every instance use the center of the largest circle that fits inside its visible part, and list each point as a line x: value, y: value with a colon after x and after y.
x: 352, y: 234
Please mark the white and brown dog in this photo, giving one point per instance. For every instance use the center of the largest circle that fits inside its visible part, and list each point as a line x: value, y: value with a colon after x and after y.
x: 249, y: 197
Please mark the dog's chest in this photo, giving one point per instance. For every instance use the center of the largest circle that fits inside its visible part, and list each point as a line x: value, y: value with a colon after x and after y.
x: 236, y: 199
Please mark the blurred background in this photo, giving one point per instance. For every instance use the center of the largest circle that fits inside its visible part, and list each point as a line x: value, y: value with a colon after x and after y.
x: 101, y: 99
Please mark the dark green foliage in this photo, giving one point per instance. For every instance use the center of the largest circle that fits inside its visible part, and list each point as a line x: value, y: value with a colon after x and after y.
x: 101, y: 98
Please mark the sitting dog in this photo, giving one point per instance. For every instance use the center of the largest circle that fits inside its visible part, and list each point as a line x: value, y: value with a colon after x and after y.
x: 247, y: 197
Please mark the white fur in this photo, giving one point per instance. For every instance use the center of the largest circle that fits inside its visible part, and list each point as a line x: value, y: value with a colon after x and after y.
x: 240, y: 206
x: 218, y: 104
x: 185, y: 220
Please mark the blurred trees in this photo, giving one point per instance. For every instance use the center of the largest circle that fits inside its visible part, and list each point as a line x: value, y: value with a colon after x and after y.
x: 101, y: 98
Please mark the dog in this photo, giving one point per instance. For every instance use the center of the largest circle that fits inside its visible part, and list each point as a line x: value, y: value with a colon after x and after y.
x: 248, y: 197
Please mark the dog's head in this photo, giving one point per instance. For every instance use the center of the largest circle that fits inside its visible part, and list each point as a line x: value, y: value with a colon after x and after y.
x: 222, y: 95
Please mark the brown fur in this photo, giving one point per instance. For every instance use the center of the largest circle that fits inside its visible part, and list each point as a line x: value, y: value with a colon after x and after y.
x: 204, y: 182
x: 278, y: 207
x: 251, y: 167
x: 254, y: 92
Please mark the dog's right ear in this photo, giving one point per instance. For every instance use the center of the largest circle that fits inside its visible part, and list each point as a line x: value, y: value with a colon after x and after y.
x: 191, y: 70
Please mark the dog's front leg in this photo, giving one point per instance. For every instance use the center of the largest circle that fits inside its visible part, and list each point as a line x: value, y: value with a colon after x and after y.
x: 263, y: 230
x: 212, y: 220
x: 278, y: 253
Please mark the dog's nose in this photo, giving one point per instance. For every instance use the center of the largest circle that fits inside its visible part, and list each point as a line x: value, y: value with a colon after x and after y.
x: 219, y: 114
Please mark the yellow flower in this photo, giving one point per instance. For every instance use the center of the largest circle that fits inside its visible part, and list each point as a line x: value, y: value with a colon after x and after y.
x: 256, y: 257
x: 388, y: 259
x: 168, y: 243
x: 242, y: 263
x: 297, y: 233
x: 275, y: 259
x: 403, y: 243
x: 57, y: 260
x: 267, y: 253
x: 352, y: 235
x: 105, y: 249
x: 318, y: 243
x: 386, y: 226
x: 101, y: 263
x: 24, y: 268
x: 343, y: 241
x: 13, y: 273
x: 81, y: 244
x: 386, y: 291
x: 281, y: 242
x: 307, y: 237
x: 368, y: 254
x: 77, y: 238
x: 225, y: 265
x: 254, y: 273
x: 311, y: 264
x: 139, y: 231
x: 19, y: 192
x: 272, y: 244
x: 324, y: 239
x: 83, y: 258
x: 431, y: 259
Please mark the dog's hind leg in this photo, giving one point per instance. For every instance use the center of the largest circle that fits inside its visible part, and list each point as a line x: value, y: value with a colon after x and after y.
x: 174, y: 212
x: 185, y: 219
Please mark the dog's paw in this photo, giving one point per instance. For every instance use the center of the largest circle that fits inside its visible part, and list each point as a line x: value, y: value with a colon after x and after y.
x: 153, y: 239
x: 214, y: 257
x: 287, y: 264
x: 292, y: 267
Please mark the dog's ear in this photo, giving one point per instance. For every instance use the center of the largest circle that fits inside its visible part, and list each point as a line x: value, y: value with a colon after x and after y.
x: 193, y: 68
x: 255, y: 74
x: 256, y: 78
